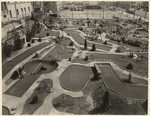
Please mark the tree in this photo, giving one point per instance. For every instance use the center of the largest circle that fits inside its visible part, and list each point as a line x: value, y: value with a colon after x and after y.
x: 7, y: 50
x: 105, y: 101
x: 18, y: 44
x: 99, y: 31
x: 129, y: 66
x: 85, y: 44
x: 88, y: 23
x: 93, y: 47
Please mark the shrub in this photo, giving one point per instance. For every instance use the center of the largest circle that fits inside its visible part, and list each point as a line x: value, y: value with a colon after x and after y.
x: 47, y: 34
x: 39, y: 40
x: 123, y: 40
x: 86, y: 58
x: 70, y: 59
x: 18, y: 44
x: 7, y: 50
x: 136, y: 43
x: 105, y: 42
x: 36, y: 55
x: 77, y: 23
x: 71, y: 43
x: 85, y: 44
x: 80, y: 28
x: 34, y: 100
x: 105, y: 100
x: 145, y: 105
x: 32, y: 41
x: 118, y: 49
x: 28, y: 44
x: 15, y: 75
x: 129, y: 66
x: 131, y: 55
x: 93, y: 47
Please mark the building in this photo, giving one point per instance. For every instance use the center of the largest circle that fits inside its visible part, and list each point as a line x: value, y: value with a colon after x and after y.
x: 52, y: 6
x: 15, y: 10
x: 37, y: 6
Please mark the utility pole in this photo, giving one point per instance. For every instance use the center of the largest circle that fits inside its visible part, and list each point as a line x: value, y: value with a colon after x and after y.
x: 72, y: 11
x: 103, y: 12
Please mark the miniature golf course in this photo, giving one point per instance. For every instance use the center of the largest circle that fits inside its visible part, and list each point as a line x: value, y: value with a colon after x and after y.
x: 9, y: 65
x: 75, y: 77
x: 34, y: 69
x: 113, y: 82
x: 5, y: 111
x: 80, y: 41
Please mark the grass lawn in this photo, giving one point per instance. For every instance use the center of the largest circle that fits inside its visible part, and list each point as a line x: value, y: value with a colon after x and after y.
x: 80, y: 41
x: 5, y: 111
x: 96, y: 91
x: 140, y: 67
x: 41, y: 93
x: 75, y: 77
x: 134, y: 80
x: 61, y: 51
x: 51, y: 33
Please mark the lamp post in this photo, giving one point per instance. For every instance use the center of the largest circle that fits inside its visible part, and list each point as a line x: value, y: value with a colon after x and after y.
x: 72, y: 10
x: 103, y: 12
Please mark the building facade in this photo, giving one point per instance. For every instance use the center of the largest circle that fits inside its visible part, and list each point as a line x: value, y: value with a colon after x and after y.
x: 15, y: 10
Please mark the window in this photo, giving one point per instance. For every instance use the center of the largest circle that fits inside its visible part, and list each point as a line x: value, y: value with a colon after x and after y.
x: 10, y: 13
x: 29, y: 9
x: 25, y: 10
x: 22, y: 9
x: 17, y: 12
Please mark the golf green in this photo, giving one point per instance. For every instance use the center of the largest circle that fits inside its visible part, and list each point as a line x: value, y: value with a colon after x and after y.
x: 75, y: 77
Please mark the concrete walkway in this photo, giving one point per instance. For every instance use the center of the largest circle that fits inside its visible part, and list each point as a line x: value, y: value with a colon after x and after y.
x: 47, y: 107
